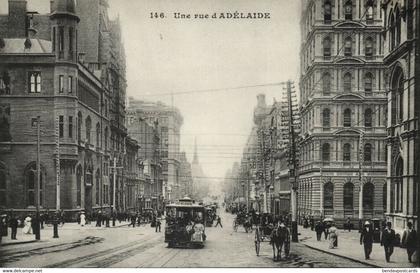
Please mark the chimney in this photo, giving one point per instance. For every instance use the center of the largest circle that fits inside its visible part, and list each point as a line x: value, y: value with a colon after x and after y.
x: 17, y: 20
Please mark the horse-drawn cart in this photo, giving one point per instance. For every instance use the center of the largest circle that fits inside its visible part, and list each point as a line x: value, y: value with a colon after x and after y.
x: 277, y: 236
x: 242, y: 220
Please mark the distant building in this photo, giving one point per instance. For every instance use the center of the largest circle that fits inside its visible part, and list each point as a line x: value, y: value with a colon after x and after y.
x: 402, y: 61
x: 186, y: 183
x: 200, y: 182
x: 170, y: 121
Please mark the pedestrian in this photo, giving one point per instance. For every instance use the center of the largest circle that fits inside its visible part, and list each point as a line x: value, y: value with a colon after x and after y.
x: 326, y: 227
x: 79, y: 218
x: 158, y: 224
x: 82, y: 219
x: 312, y: 221
x: 387, y: 241
x: 4, y: 224
x: 333, y: 236
x: 133, y: 220
x: 219, y: 222
x: 409, y: 240
x: 348, y: 224
x: 13, y: 223
x: 366, y: 238
x: 27, y: 229
x: 319, y: 228
x: 99, y: 219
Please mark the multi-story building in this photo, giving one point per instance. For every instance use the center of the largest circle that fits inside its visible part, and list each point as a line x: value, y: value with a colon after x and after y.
x: 186, y: 184
x: 170, y: 122
x: 146, y: 132
x: 402, y: 61
x: 44, y: 83
x: 132, y: 176
x: 343, y: 110
x: 200, y: 187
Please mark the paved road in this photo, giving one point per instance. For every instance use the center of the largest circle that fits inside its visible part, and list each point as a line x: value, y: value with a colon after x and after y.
x: 142, y: 247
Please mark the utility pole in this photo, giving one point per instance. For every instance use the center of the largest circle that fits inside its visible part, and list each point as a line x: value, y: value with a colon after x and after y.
x: 38, y: 180
x: 360, y: 178
x: 417, y: 103
x: 292, y: 165
x: 114, y: 169
x: 57, y: 162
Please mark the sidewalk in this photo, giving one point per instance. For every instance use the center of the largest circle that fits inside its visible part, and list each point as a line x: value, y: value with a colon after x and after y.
x: 65, y: 232
x: 349, y: 247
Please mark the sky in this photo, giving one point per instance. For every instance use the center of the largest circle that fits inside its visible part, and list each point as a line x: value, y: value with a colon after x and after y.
x: 175, y: 55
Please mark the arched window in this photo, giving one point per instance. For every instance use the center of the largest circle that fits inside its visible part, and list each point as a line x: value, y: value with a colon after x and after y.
x: 397, y: 95
x: 31, y: 185
x: 368, y: 152
x: 384, y: 196
x: 368, y: 196
x: 106, y: 139
x: 326, y: 84
x: 368, y: 118
x: 397, y: 187
x: 347, y: 118
x: 348, y: 196
x: 391, y: 31
x: 88, y: 129
x: 397, y: 27
x: 368, y: 84
x: 348, y: 10
x: 79, y: 126
x: 98, y: 135
x: 326, y: 152
x: 79, y: 174
x: 347, y: 152
x: 327, y: 46
x: 369, y: 10
x: 347, y: 83
x: 326, y: 118
x: 369, y: 47
x: 327, y: 11
x: 2, y: 187
x: 97, y: 187
x: 348, y: 46
x: 329, y: 196
x: 400, y: 96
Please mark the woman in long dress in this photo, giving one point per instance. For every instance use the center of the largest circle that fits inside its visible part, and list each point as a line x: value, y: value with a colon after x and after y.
x: 332, y: 233
x: 83, y: 219
x: 27, y: 229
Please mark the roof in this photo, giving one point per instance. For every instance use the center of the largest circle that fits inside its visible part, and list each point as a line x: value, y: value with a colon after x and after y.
x: 17, y: 46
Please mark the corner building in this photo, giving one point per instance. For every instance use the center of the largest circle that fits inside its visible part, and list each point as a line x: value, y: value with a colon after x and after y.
x: 402, y: 24
x: 343, y: 110
x: 43, y: 73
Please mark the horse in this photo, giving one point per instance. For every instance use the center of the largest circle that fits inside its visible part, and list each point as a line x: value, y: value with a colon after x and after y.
x: 280, y: 236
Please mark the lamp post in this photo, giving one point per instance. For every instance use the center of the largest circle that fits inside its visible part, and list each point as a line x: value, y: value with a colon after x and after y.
x: 270, y: 193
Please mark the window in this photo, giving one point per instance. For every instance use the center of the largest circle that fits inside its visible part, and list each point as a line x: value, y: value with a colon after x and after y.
x: 34, y: 82
x: 369, y: 11
x: 61, y: 84
x: 2, y: 188
x: 397, y: 27
x: 70, y: 84
x: 79, y: 126
x: 31, y: 187
x: 397, y: 94
x: 97, y: 187
x: 79, y: 174
x: 348, y: 196
x: 368, y: 152
x: 329, y: 196
x: 368, y: 118
x: 106, y: 108
x: 368, y: 84
x: 61, y: 39
x: 347, y: 152
x: 71, y: 40
x: 348, y: 46
x: 368, y: 196
x: 391, y: 31
x: 347, y: 118
x: 327, y: 47
x: 54, y: 41
x: 347, y: 83
x: 326, y: 84
x: 4, y: 83
x: 397, y: 186
x: 98, y: 135
x: 326, y: 152
x: 70, y: 127
x: 106, y: 139
x: 369, y: 47
x: 327, y: 11
x: 384, y: 196
x: 61, y: 126
x: 348, y: 10
x: 88, y: 129
x: 326, y: 116
x: 31, y: 184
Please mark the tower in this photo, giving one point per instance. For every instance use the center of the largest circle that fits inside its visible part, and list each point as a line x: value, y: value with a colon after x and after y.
x: 195, y: 160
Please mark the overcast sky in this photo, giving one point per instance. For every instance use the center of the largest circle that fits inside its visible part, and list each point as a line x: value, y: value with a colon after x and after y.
x: 176, y: 55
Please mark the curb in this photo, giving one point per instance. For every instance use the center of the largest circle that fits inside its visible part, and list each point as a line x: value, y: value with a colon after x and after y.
x: 341, y: 256
x: 20, y: 243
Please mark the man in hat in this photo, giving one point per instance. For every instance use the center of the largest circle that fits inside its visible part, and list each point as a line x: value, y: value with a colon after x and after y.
x: 366, y: 238
x: 13, y: 223
x: 387, y: 241
x: 409, y: 240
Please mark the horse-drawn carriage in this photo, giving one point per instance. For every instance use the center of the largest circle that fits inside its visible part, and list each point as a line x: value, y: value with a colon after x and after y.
x: 242, y: 220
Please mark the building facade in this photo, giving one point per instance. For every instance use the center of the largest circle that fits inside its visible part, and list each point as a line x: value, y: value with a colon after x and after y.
x: 401, y: 22
x: 343, y: 109
x: 44, y: 82
x: 170, y: 121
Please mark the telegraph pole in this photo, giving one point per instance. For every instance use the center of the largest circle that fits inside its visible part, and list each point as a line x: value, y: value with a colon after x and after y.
x: 292, y: 165
x: 57, y: 162
x: 360, y: 178
x: 38, y: 180
x: 114, y: 169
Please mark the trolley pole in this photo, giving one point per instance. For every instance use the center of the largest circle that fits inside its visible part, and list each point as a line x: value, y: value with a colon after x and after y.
x: 292, y: 165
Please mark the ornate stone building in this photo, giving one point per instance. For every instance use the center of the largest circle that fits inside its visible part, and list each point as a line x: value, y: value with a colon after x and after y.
x: 343, y: 110
x: 402, y: 25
